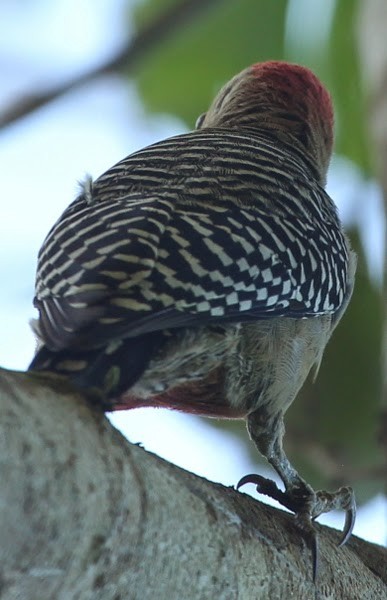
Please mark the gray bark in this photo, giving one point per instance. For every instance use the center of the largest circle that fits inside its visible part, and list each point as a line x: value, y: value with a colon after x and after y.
x: 84, y: 514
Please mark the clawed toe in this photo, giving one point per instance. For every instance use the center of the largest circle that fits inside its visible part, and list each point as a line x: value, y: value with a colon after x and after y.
x: 304, y: 501
x: 342, y: 499
x: 296, y: 501
x: 308, y: 505
x: 310, y: 535
x: 265, y: 486
x: 350, y: 517
x: 350, y: 514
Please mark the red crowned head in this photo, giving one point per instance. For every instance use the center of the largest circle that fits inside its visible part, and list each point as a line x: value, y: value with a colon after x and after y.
x: 285, y: 99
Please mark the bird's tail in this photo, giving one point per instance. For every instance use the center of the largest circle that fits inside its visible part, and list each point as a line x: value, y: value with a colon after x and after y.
x: 112, y: 369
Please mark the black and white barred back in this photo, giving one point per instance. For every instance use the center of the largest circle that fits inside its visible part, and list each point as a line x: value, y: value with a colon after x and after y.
x: 213, y: 226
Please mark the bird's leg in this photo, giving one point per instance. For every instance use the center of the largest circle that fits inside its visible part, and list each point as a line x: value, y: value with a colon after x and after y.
x: 267, y: 433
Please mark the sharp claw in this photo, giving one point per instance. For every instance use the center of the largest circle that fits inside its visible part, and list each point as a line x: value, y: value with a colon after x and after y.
x: 266, y: 487
x: 252, y: 478
x: 350, y: 518
x: 310, y: 537
x: 261, y: 482
x: 269, y: 488
x: 315, y: 558
x: 323, y: 501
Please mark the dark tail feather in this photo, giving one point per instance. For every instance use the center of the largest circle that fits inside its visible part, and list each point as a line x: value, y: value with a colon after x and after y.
x: 112, y: 369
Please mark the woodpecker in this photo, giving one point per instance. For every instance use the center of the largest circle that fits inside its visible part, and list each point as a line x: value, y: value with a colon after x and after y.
x: 207, y: 272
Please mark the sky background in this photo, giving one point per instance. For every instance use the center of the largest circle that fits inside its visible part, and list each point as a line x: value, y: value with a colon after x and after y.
x: 42, y: 158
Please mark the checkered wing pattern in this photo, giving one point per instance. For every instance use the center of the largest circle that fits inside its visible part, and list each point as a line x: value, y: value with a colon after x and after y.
x: 204, y: 227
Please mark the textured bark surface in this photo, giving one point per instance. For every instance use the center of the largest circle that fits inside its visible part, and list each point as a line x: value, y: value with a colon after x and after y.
x: 85, y: 514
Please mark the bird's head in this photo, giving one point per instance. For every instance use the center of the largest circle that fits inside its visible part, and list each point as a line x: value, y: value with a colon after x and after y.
x: 284, y: 99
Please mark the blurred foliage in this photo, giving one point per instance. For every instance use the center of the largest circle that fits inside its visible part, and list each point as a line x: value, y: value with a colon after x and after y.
x: 335, y: 420
x: 188, y: 69
x: 345, y: 83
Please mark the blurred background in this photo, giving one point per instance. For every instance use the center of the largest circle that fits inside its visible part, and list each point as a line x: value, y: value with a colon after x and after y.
x: 86, y: 82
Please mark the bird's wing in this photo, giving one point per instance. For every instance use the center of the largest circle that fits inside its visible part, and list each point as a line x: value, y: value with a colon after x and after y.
x: 144, y: 263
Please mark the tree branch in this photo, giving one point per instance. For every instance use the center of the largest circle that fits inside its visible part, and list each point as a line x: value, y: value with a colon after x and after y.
x: 85, y: 514
x: 177, y: 16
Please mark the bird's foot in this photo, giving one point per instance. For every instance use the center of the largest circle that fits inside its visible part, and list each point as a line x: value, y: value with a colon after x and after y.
x: 308, y: 505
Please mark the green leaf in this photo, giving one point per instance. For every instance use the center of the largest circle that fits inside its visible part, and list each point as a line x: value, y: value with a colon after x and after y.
x: 185, y: 72
x: 345, y: 83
